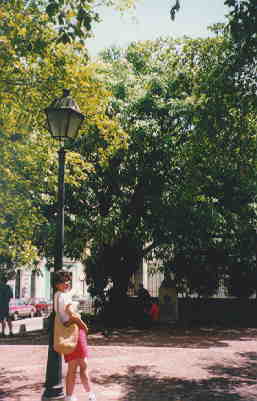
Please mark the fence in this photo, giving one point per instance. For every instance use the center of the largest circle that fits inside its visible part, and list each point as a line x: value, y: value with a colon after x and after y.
x: 218, y: 311
x: 213, y: 311
x: 86, y: 306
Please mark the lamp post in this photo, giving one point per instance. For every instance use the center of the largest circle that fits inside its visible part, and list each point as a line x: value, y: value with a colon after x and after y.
x: 64, y: 121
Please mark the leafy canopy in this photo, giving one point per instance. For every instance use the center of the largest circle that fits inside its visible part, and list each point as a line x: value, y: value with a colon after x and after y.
x: 34, y: 71
x: 175, y: 190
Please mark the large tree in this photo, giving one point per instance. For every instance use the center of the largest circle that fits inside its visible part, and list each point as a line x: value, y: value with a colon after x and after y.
x: 187, y: 180
x: 179, y: 104
x: 34, y: 70
x: 72, y: 20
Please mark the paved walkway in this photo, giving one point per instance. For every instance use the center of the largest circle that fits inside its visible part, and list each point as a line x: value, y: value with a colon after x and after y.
x: 187, y: 370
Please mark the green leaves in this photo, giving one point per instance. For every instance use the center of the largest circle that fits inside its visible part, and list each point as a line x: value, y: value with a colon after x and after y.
x: 34, y: 70
x: 52, y: 9
x: 179, y: 185
x: 74, y: 19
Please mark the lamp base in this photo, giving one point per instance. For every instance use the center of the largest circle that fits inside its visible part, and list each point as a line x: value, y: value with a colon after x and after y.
x: 53, y: 394
x: 53, y: 389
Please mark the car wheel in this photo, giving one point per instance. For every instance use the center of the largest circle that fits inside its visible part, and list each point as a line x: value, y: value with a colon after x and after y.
x: 15, y: 316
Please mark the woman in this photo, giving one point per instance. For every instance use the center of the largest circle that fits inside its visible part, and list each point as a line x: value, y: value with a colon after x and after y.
x: 77, y: 358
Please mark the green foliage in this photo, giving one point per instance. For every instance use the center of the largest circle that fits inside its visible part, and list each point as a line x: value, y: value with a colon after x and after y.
x: 74, y: 19
x: 88, y: 318
x: 174, y: 190
x: 167, y: 165
x: 198, y: 272
x: 242, y: 23
x: 34, y: 70
x: 241, y: 280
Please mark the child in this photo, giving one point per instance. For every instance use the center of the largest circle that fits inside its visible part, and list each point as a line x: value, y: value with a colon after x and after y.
x: 154, y: 312
x: 77, y: 358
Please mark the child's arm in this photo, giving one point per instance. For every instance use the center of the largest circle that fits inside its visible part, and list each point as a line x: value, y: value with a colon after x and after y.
x: 75, y: 318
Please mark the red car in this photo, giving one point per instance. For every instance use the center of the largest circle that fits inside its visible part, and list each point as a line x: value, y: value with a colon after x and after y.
x: 42, y: 305
x: 20, y: 308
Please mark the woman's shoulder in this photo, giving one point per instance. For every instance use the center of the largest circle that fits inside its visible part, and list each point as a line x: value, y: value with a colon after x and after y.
x: 59, y: 295
x: 64, y: 296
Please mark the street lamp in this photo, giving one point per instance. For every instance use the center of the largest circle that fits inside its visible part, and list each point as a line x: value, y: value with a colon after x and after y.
x: 64, y: 121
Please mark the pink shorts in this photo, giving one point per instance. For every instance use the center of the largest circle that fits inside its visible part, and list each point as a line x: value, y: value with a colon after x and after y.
x: 81, y: 350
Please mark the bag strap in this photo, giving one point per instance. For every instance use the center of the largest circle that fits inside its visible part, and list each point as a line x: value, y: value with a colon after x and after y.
x: 57, y: 306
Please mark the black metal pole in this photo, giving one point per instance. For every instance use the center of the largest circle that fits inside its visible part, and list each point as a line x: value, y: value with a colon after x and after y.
x: 58, y: 263
x: 53, y: 384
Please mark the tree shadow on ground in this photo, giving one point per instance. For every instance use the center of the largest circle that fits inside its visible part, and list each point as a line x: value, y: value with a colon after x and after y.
x: 200, y: 337
x: 160, y: 336
x: 244, y: 369
x: 37, y: 337
x: 143, y: 384
x: 9, y: 388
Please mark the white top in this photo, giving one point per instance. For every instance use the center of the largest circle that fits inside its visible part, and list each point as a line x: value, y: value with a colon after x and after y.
x: 64, y: 299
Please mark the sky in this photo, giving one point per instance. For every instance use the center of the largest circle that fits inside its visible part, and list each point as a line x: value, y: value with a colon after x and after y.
x: 151, y: 20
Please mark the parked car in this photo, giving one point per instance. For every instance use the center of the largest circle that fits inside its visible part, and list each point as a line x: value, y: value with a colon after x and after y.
x: 20, y: 308
x: 43, y: 306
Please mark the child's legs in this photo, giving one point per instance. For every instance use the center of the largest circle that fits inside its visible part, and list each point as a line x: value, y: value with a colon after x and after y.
x: 71, y: 376
x: 84, y: 375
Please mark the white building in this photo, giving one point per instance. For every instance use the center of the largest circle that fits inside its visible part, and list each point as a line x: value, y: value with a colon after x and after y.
x: 37, y: 283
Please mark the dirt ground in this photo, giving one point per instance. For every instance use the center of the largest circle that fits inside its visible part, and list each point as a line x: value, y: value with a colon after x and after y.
x: 160, y: 364
x: 162, y: 336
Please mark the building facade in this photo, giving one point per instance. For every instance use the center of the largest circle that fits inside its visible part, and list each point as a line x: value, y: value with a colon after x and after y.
x: 37, y: 283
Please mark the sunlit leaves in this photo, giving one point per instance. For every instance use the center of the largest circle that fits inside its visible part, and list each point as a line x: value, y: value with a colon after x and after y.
x: 187, y: 181
x: 34, y: 71
x: 74, y: 19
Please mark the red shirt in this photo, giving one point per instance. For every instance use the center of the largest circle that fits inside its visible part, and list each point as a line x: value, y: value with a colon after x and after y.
x: 154, y: 312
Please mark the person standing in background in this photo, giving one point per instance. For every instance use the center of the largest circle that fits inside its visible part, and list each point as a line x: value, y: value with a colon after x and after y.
x: 154, y: 312
x: 168, y: 300
x: 5, y: 295
x: 143, y: 295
